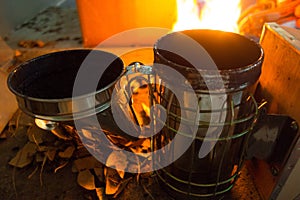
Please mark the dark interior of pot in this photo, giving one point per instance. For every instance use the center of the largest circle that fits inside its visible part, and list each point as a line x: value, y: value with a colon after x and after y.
x: 52, y: 76
x: 228, y: 50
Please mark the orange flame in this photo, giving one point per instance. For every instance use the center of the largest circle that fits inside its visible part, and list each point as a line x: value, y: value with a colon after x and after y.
x: 207, y: 14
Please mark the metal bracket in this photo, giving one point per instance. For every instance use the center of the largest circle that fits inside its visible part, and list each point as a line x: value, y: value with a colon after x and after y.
x: 272, y: 139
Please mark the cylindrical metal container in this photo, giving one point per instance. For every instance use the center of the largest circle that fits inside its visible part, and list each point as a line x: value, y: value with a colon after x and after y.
x: 222, y: 69
x: 87, y: 91
x: 44, y: 85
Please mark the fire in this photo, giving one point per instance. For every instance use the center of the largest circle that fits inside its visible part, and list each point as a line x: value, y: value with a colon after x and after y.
x: 187, y: 15
x: 208, y: 14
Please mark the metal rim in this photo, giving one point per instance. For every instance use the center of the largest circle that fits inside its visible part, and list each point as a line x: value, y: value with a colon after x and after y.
x: 60, y: 109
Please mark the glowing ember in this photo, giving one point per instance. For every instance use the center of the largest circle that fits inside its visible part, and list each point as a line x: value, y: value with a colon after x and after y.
x: 207, y: 14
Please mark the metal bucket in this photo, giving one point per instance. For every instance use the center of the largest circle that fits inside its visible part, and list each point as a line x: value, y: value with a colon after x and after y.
x: 43, y: 86
x: 47, y: 88
x: 226, y: 114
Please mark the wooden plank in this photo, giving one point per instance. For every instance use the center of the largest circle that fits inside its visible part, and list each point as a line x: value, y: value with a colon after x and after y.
x: 280, y: 86
x: 280, y: 78
x: 8, y: 103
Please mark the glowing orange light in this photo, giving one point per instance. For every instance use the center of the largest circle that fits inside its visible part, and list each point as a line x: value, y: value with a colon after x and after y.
x: 212, y: 14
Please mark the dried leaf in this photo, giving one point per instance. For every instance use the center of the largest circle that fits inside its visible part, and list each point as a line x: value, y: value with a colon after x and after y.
x: 21, y: 119
x: 70, y: 129
x: 24, y: 156
x: 112, y: 181
x: 147, y: 191
x: 74, y: 169
x: 121, y: 173
x: 146, y: 144
x: 81, y: 151
x: 35, y: 134
x: 86, y: 180
x: 33, y: 172
x: 51, y: 154
x: 87, y: 163
x: 135, y: 143
x: 139, y: 151
x: 18, y: 53
x: 87, y: 134
x: 42, y: 169
x: 20, y: 130
x: 134, y: 168
x: 40, y: 43
x: 42, y: 148
x: 4, y: 135
x: 39, y: 157
x: 61, y: 133
x: 146, y: 168
x: 117, y: 159
x: 48, y: 137
x: 67, y: 153
x: 99, y: 173
x: 61, y: 166
x: 31, y: 43
x: 117, y: 139
x: 122, y: 186
x: 100, y: 193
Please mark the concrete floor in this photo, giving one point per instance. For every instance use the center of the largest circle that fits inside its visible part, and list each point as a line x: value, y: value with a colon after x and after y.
x: 56, y: 27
